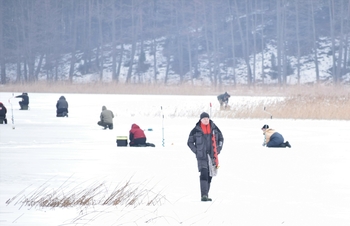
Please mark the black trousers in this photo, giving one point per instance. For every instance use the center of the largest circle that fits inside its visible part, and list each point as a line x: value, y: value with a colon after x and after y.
x: 205, y: 181
x: 138, y: 142
x: 3, y: 120
x: 62, y: 112
x: 24, y: 106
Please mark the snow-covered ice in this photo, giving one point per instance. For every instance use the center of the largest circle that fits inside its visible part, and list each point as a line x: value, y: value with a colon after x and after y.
x: 305, y: 185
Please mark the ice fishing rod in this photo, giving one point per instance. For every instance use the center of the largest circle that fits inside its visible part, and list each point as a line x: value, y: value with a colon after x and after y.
x: 210, y: 108
x: 267, y: 112
x: 163, y: 142
x: 12, y: 119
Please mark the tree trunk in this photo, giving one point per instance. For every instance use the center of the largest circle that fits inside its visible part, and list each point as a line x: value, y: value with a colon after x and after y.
x: 315, y: 42
x: 331, y: 22
x: 244, y: 48
x: 99, y: 56
x: 298, y: 39
x: 232, y: 44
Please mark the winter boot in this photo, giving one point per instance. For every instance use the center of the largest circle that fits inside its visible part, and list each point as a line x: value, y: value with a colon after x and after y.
x: 205, y: 199
x: 287, y: 144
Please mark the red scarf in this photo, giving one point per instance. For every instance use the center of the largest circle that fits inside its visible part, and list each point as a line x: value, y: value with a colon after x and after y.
x: 206, y: 128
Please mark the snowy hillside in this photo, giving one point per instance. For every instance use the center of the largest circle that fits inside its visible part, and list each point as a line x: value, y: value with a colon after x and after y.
x: 307, y: 72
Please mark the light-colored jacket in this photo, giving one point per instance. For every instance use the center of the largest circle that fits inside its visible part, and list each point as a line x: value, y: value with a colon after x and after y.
x: 106, y: 115
x: 268, y: 133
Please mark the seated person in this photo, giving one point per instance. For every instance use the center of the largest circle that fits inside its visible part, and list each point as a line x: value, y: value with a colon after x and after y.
x: 62, y: 107
x: 24, y: 104
x: 273, y: 139
x: 136, y: 136
x: 3, y: 112
x: 223, y: 99
x: 106, y: 118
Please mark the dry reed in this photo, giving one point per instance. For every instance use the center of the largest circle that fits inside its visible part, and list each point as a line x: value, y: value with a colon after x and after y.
x: 96, y: 194
x: 301, y: 101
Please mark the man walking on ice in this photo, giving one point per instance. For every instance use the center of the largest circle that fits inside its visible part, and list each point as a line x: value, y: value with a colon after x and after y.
x: 206, y: 141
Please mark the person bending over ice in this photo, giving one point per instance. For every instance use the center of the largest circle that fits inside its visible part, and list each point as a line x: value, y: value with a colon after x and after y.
x: 62, y: 107
x: 106, y: 118
x: 223, y: 99
x: 273, y: 139
x: 3, y: 112
x: 136, y: 136
x: 24, y: 104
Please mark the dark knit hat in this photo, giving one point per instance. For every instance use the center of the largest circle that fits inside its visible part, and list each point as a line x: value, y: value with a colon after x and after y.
x: 204, y: 115
x: 265, y: 127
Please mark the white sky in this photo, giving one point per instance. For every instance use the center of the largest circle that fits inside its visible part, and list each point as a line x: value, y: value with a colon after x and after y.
x: 305, y: 185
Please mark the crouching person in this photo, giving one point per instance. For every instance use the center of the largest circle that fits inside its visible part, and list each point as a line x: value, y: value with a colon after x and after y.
x: 3, y: 112
x: 223, y: 100
x: 137, y: 136
x: 24, y: 104
x: 273, y: 139
x: 106, y: 118
x: 62, y: 107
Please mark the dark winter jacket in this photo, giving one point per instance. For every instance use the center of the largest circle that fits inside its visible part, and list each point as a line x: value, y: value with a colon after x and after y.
x: 273, y: 138
x: 201, y: 144
x: 224, y: 97
x: 106, y: 115
x: 135, y: 133
x: 62, y: 103
x: 25, y: 98
x: 3, y: 110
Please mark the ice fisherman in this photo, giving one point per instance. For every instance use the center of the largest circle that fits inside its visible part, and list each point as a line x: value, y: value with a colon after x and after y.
x: 223, y: 99
x: 201, y: 144
x: 62, y: 107
x: 106, y: 118
x: 24, y: 104
x: 3, y: 112
x: 137, y: 136
x: 273, y: 139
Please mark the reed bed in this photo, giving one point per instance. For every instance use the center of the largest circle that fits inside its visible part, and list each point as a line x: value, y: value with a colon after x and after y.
x: 300, y: 101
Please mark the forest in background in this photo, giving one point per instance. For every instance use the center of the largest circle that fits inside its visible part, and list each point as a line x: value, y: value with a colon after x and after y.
x: 36, y: 36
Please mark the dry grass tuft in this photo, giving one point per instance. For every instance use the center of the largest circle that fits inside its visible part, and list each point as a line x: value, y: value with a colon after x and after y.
x: 326, y: 103
x: 96, y: 194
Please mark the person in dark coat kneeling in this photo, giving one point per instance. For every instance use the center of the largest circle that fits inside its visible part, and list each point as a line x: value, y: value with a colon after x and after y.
x: 201, y: 142
x: 137, y: 136
x: 24, y: 104
x: 62, y: 107
x: 273, y: 139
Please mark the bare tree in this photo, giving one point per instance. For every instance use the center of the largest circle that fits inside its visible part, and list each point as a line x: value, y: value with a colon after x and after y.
x: 312, y: 13
x: 297, y: 32
x: 244, y: 42
x: 2, y: 49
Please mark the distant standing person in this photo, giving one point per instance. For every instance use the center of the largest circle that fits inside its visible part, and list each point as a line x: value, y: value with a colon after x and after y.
x: 106, y: 118
x: 3, y: 112
x: 62, y: 107
x: 137, y: 136
x: 223, y: 99
x: 273, y: 139
x: 24, y: 104
x: 201, y: 143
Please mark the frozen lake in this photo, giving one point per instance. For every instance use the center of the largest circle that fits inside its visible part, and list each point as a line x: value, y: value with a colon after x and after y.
x: 305, y: 185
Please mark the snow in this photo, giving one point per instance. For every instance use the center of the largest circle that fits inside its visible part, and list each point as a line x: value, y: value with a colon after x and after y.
x: 307, y: 184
